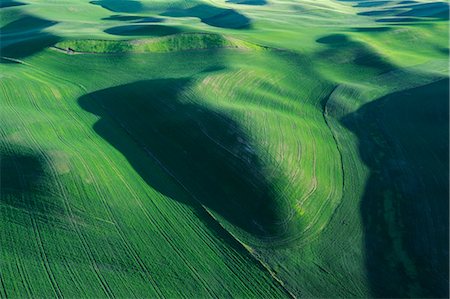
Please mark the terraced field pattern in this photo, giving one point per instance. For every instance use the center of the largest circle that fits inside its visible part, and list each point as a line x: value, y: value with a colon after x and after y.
x: 224, y: 149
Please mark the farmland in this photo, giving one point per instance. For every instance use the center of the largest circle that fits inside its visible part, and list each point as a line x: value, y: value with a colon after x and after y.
x: 238, y: 148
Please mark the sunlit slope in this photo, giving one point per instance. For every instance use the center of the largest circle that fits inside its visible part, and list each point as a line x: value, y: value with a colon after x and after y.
x: 224, y: 148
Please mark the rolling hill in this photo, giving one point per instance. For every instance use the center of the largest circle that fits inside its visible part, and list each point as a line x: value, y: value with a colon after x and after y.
x: 248, y: 149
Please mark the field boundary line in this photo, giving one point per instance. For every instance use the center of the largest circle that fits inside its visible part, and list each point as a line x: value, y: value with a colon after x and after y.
x: 246, y: 248
x: 325, y: 117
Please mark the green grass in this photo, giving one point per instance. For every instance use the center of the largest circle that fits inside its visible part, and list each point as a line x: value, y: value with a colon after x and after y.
x: 177, y: 42
x: 249, y: 149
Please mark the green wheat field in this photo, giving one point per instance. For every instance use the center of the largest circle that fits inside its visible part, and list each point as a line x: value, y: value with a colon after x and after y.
x: 224, y: 149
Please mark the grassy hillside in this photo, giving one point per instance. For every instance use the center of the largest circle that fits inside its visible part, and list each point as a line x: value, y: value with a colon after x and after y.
x: 172, y: 43
x: 217, y: 148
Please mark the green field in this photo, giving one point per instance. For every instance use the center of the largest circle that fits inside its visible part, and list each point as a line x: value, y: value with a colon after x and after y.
x: 224, y: 148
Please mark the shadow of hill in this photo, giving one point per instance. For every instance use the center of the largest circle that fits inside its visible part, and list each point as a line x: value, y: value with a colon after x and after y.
x: 204, y: 152
x: 10, y: 3
x: 417, y: 12
x: 25, y: 37
x: 248, y: 2
x: 371, y: 3
x: 126, y: 6
x: 435, y: 10
x: 342, y: 50
x: 147, y: 30
x: 25, y: 183
x: 403, y: 138
x: 371, y: 29
x: 135, y: 19
x: 213, y: 16
x: 400, y: 20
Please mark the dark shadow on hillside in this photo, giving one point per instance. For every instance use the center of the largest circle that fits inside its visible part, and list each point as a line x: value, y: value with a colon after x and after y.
x: 376, y: 13
x: 127, y: 6
x: 25, y: 37
x: 403, y: 138
x: 445, y: 51
x: 147, y: 30
x: 334, y: 39
x: 135, y: 19
x: 150, y: 20
x: 435, y: 10
x: 248, y: 2
x: 342, y: 50
x: 10, y: 3
x: 416, y: 11
x: 410, y: 11
x: 25, y: 183
x: 398, y: 21
x: 371, y: 29
x: 371, y: 3
x: 123, y: 18
x: 213, y: 16
x: 368, y: 3
x: 202, y: 151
